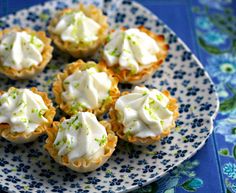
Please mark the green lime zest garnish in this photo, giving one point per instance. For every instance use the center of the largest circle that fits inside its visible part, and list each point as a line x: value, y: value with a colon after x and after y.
x: 159, y: 97
x: 101, y: 141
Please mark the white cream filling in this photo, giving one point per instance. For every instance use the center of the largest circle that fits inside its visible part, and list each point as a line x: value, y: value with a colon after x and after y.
x: 144, y: 112
x: 22, y: 109
x: 86, y: 89
x: 131, y: 49
x: 76, y: 27
x: 20, y: 50
x: 81, y: 136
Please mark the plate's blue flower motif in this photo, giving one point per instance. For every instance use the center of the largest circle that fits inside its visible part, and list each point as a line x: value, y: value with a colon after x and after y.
x: 93, y: 180
x: 214, y: 37
x: 229, y: 169
x: 120, y: 17
x: 216, y: 4
x: 222, y: 68
x: 148, y: 168
x: 58, y: 189
x: 180, y: 153
x: 3, y: 162
x: 115, y: 182
x: 13, y: 179
x: 140, y: 20
x: 32, y: 16
x: 227, y: 128
x: 204, y: 23
x: 126, y: 168
x: 139, y: 182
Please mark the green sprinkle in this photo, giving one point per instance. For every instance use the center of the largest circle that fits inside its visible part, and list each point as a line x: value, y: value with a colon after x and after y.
x: 57, y: 144
x: 150, y: 112
x: 39, y: 112
x: 129, y: 37
x: 78, y: 106
x: 101, y: 141
x: 159, y: 97
x: 115, y: 53
x: 162, y: 122
x: 133, y: 71
x: 144, y: 93
x: 79, y: 125
x: 76, y: 85
x: 32, y: 41
x: 151, y: 101
x: 3, y: 100
x: 66, y: 82
x: 14, y: 93
x: 107, y: 100
x: 109, y: 172
x: 24, y: 120
x: 108, y: 38
x: 21, y: 103
x: 128, y: 133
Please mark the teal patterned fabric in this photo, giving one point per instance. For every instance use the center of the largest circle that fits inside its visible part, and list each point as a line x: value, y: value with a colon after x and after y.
x: 208, y: 27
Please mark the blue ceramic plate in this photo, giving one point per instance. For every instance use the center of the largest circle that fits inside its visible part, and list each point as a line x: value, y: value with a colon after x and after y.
x: 29, y: 168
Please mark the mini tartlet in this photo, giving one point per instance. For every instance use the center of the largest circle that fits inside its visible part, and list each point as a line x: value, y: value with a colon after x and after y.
x: 79, y: 31
x: 86, y: 86
x: 81, y: 143
x: 23, y: 52
x: 134, y: 54
x: 144, y: 116
x: 25, y: 114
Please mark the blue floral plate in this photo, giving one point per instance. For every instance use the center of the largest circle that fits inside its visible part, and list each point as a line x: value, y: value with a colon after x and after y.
x: 29, y: 168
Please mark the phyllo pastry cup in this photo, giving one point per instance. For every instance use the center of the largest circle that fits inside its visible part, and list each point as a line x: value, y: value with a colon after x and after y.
x: 80, y: 48
x: 25, y: 137
x: 119, y: 128
x: 84, y: 163
x: 124, y: 60
x: 71, y: 108
x: 34, y: 69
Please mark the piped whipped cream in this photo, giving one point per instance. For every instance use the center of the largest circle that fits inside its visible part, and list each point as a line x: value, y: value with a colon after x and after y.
x: 22, y: 109
x: 86, y: 89
x: 76, y: 27
x: 20, y: 50
x: 81, y: 136
x: 132, y: 49
x: 144, y: 112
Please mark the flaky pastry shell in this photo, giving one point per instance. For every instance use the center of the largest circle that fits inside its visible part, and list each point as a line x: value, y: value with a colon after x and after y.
x: 58, y: 87
x: 80, y: 50
x: 118, y: 127
x: 19, y: 138
x: 83, y: 164
x: 28, y: 73
x: 125, y: 75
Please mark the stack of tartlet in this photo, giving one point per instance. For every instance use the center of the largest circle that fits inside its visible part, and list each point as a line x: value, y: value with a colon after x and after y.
x: 85, y: 91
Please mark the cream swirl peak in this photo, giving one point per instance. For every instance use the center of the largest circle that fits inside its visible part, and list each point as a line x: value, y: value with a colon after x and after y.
x: 20, y: 50
x: 144, y: 112
x: 132, y: 49
x: 76, y: 27
x: 81, y: 136
x: 86, y: 89
x: 22, y: 109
